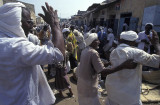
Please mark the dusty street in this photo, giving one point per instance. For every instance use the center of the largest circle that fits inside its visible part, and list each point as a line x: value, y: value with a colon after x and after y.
x: 67, y: 100
x: 74, y: 100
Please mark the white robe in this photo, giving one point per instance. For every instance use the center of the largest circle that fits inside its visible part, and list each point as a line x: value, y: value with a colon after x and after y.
x: 110, y: 38
x: 142, y: 45
x: 123, y: 87
x: 22, y: 80
x: 34, y: 39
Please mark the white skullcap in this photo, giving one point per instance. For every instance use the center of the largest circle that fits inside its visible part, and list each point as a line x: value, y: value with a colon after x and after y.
x: 149, y: 24
x: 65, y: 30
x: 110, y: 30
x: 129, y: 35
x: 91, y: 37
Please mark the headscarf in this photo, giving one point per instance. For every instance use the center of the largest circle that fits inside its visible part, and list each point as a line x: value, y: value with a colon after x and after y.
x: 80, y: 39
x: 65, y: 30
x: 76, y: 32
x: 129, y: 35
x: 10, y: 19
x: 91, y: 37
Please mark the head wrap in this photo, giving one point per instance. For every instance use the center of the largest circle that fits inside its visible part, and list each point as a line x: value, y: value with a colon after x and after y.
x: 65, y: 30
x: 10, y: 19
x: 110, y: 30
x: 91, y: 37
x: 76, y: 32
x: 129, y: 35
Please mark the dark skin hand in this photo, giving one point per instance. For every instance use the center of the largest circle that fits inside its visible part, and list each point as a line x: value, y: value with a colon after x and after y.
x: 107, y: 64
x: 129, y: 64
x: 50, y: 17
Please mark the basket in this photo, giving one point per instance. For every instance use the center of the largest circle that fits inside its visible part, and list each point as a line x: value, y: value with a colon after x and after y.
x: 151, y: 76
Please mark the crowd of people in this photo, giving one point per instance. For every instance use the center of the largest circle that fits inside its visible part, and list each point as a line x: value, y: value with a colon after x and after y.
x: 92, y: 51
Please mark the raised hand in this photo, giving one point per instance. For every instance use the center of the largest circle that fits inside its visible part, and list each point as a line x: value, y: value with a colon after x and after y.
x: 50, y: 15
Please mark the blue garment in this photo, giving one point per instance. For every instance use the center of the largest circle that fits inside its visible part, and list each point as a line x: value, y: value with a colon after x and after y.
x: 101, y: 35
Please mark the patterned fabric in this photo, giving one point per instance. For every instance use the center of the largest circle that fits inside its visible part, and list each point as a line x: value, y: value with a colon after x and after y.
x: 71, y: 38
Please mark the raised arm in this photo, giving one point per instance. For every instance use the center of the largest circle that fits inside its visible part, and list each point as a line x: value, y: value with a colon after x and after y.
x: 155, y: 42
x: 50, y: 17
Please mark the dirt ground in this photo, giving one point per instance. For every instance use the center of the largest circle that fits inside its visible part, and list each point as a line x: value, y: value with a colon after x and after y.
x: 66, y: 100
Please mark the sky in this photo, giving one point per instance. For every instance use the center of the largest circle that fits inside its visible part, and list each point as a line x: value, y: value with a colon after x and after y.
x: 66, y: 8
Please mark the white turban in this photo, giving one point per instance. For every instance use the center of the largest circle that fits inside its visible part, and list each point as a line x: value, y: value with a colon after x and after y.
x: 91, y: 37
x: 10, y: 19
x: 110, y: 30
x: 65, y: 30
x: 129, y: 35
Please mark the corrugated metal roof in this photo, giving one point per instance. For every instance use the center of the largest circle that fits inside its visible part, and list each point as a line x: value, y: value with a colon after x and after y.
x: 93, y: 6
x: 105, y: 4
x: 98, y: 7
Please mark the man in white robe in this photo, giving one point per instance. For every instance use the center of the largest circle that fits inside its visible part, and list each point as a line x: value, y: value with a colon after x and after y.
x: 144, y: 38
x: 110, y: 39
x: 22, y: 81
x: 124, y: 87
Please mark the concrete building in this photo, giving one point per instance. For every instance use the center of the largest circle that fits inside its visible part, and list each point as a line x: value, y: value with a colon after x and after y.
x: 78, y: 19
x: 90, y: 17
x: 29, y: 6
x: 114, y: 13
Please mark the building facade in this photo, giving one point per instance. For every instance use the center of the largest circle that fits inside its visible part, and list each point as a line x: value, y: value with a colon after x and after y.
x: 78, y: 19
x: 115, y: 13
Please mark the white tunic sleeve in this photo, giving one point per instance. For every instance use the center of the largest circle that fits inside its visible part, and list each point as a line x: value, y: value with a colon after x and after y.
x: 29, y: 54
x: 146, y: 59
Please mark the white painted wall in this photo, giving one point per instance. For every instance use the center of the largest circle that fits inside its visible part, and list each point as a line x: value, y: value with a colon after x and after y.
x: 151, y: 15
